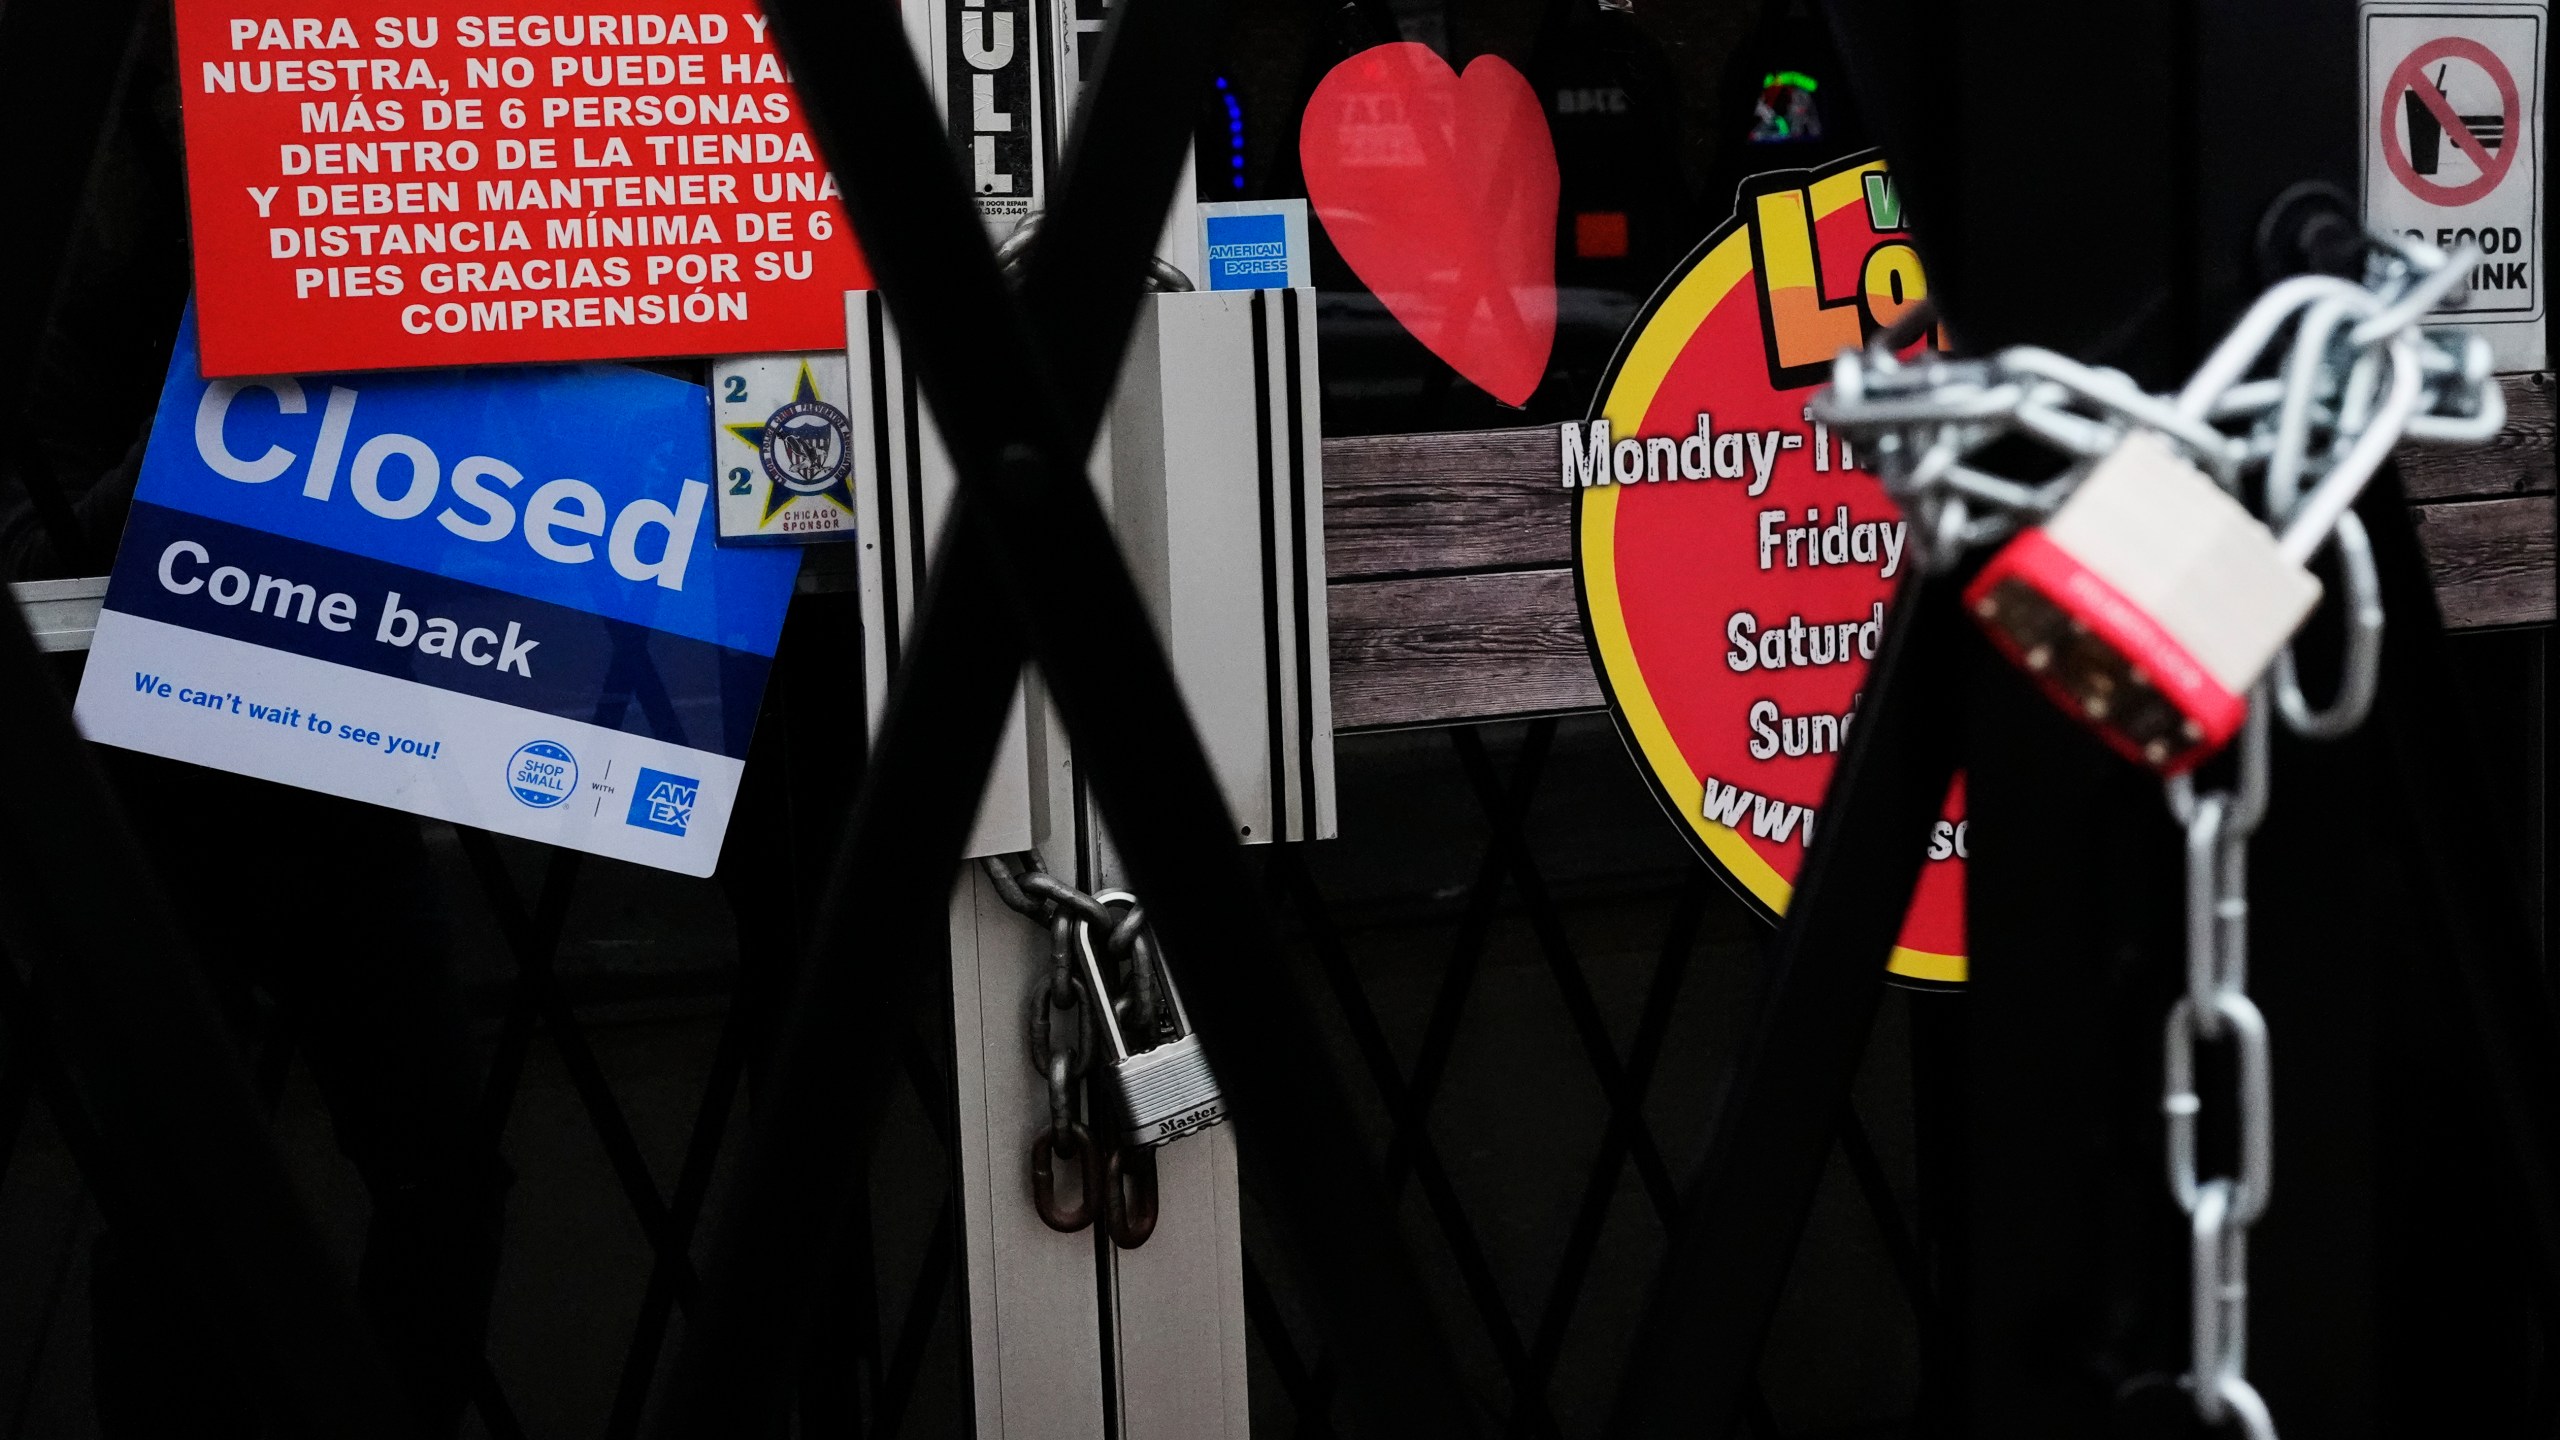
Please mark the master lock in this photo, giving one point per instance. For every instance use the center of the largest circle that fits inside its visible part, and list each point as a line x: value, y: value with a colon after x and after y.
x: 2147, y: 606
x: 1161, y: 1093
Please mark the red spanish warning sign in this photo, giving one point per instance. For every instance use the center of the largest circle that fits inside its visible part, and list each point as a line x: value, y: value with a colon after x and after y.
x: 442, y: 183
x: 1734, y: 566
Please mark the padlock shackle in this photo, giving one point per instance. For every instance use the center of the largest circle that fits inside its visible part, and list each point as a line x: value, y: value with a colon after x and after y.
x: 1147, y: 938
x: 1172, y: 992
x: 1103, y: 1009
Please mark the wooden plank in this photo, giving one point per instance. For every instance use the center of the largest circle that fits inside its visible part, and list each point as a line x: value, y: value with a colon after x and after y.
x: 2520, y: 461
x: 1442, y: 649
x: 1425, y: 504
x: 1457, y: 647
x: 1450, y: 559
x: 62, y: 614
x: 2493, y: 560
x: 1400, y: 505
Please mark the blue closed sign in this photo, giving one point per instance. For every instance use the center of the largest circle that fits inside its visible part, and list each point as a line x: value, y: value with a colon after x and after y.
x: 488, y: 596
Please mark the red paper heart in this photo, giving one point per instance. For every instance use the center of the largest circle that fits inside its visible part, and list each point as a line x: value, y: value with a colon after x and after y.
x: 1440, y: 191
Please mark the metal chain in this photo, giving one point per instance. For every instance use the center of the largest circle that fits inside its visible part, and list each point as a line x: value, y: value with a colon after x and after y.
x: 2216, y: 1009
x: 2350, y: 375
x: 1015, y: 252
x: 1116, y: 1185
x: 2355, y: 376
x: 1062, y: 1045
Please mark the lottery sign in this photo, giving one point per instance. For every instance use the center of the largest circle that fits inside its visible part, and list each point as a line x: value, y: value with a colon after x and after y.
x: 1734, y: 565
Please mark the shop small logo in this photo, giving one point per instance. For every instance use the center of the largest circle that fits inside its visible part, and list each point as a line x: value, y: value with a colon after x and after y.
x: 542, y: 773
x: 662, y: 802
x: 806, y: 447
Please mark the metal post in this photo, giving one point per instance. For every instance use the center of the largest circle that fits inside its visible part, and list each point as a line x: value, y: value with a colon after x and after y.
x: 1035, y: 1350
x: 1173, y: 1309
x: 1048, y: 566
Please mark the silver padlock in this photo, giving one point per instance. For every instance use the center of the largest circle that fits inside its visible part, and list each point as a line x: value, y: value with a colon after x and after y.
x: 1156, y: 1095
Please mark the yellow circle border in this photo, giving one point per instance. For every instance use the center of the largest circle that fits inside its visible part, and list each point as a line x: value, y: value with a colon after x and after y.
x: 1659, y: 335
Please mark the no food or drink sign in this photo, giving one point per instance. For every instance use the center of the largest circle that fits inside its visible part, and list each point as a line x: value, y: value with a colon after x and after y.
x: 2452, y: 144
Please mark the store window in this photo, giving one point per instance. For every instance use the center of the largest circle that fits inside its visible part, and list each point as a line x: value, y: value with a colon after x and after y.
x: 1649, y: 115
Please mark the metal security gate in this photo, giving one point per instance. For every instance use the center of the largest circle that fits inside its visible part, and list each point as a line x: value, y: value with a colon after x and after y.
x: 1554, y: 907
x: 780, y: 1282
x: 806, y: 1229
x: 639, y: 1073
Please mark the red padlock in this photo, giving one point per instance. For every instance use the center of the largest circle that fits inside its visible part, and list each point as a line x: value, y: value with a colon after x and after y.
x: 2147, y: 605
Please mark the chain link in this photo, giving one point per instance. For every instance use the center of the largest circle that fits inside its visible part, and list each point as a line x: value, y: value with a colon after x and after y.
x: 2352, y: 375
x: 1115, y: 1185
x: 2216, y: 1010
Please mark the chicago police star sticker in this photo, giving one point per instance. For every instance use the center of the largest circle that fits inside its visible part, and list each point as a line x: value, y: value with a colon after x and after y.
x: 806, y: 447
